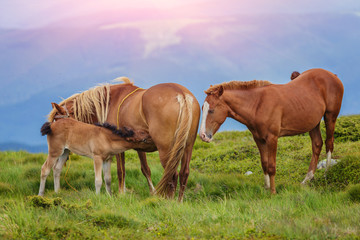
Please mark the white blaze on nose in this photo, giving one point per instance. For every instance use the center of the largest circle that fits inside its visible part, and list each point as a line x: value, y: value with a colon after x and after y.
x: 204, y: 116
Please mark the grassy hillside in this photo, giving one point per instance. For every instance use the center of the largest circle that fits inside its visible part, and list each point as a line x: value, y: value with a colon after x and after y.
x: 221, y: 202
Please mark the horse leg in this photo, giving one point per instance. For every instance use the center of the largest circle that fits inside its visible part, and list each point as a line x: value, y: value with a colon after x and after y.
x: 120, y: 163
x: 317, y: 143
x: 330, y: 120
x: 184, y: 172
x: 97, y: 168
x: 264, y: 161
x: 57, y: 169
x: 271, y: 148
x: 107, y: 175
x: 45, y: 171
x: 146, y: 170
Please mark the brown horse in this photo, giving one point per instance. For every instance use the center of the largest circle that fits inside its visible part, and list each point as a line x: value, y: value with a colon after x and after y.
x: 98, y: 142
x: 271, y: 111
x: 168, y: 112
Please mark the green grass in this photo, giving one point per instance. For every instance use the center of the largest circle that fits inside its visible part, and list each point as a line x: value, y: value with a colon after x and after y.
x: 220, y: 201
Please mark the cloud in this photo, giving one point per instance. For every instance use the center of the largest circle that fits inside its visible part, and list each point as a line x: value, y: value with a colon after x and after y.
x: 158, y: 34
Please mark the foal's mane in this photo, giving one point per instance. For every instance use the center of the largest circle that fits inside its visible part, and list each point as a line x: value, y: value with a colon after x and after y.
x: 125, y: 132
x: 234, y: 85
x: 94, y: 101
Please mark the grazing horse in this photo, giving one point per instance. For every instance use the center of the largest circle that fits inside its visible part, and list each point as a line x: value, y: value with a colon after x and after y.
x: 168, y: 112
x: 271, y: 111
x: 97, y: 142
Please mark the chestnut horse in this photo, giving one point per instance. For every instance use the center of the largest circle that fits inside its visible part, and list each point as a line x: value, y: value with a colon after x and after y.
x: 168, y: 112
x: 98, y: 142
x: 271, y: 111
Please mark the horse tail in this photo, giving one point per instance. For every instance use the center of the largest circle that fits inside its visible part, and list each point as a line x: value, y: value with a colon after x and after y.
x: 179, y: 143
x: 294, y: 75
x: 46, y: 129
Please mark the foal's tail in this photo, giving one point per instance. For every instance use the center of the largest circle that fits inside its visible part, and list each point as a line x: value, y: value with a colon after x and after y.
x: 179, y: 143
x: 46, y: 129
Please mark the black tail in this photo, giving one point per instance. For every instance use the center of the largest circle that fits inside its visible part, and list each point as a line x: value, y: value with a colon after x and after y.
x: 45, y: 129
x: 125, y: 132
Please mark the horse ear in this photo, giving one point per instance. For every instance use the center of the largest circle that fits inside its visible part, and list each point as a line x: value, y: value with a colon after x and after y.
x: 60, y: 109
x: 219, y: 91
x: 215, y: 92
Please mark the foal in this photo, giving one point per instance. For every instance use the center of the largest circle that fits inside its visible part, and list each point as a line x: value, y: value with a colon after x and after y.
x: 97, y: 142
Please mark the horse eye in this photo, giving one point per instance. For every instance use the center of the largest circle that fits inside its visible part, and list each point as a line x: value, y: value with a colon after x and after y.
x: 211, y: 111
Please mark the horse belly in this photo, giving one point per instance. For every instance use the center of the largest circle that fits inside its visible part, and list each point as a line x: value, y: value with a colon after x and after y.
x: 80, y: 151
x: 301, y: 122
x: 83, y: 148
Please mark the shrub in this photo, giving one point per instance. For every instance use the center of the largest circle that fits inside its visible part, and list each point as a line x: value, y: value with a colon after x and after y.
x: 345, y: 172
x: 347, y: 129
x: 106, y: 219
x: 354, y: 193
x: 44, y: 202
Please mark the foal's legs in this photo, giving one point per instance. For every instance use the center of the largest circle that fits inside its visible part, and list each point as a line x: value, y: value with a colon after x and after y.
x: 58, y: 167
x: 146, y: 170
x: 98, y: 167
x: 107, y: 175
x: 317, y: 143
x: 120, y: 163
x: 45, y: 170
x: 330, y: 120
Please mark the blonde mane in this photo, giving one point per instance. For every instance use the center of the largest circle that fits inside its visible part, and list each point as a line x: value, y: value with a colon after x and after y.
x: 234, y: 85
x: 94, y: 101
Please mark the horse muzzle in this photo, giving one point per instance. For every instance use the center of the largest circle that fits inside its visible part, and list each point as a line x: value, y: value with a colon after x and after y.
x: 206, y: 137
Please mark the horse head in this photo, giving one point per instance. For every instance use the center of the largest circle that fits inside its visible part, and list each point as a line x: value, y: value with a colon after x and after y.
x: 60, y: 112
x: 215, y: 111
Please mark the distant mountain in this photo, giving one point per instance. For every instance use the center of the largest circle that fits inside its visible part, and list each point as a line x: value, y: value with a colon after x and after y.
x: 12, y: 146
x: 41, y: 65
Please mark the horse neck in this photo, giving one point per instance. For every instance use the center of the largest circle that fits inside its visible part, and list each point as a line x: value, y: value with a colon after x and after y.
x: 117, y: 143
x: 242, y: 104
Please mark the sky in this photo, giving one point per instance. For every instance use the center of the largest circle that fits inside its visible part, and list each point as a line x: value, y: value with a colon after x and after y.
x: 39, y: 13
x: 48, y: 46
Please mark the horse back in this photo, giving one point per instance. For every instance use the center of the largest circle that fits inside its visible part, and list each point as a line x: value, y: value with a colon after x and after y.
x: 324, y: 83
